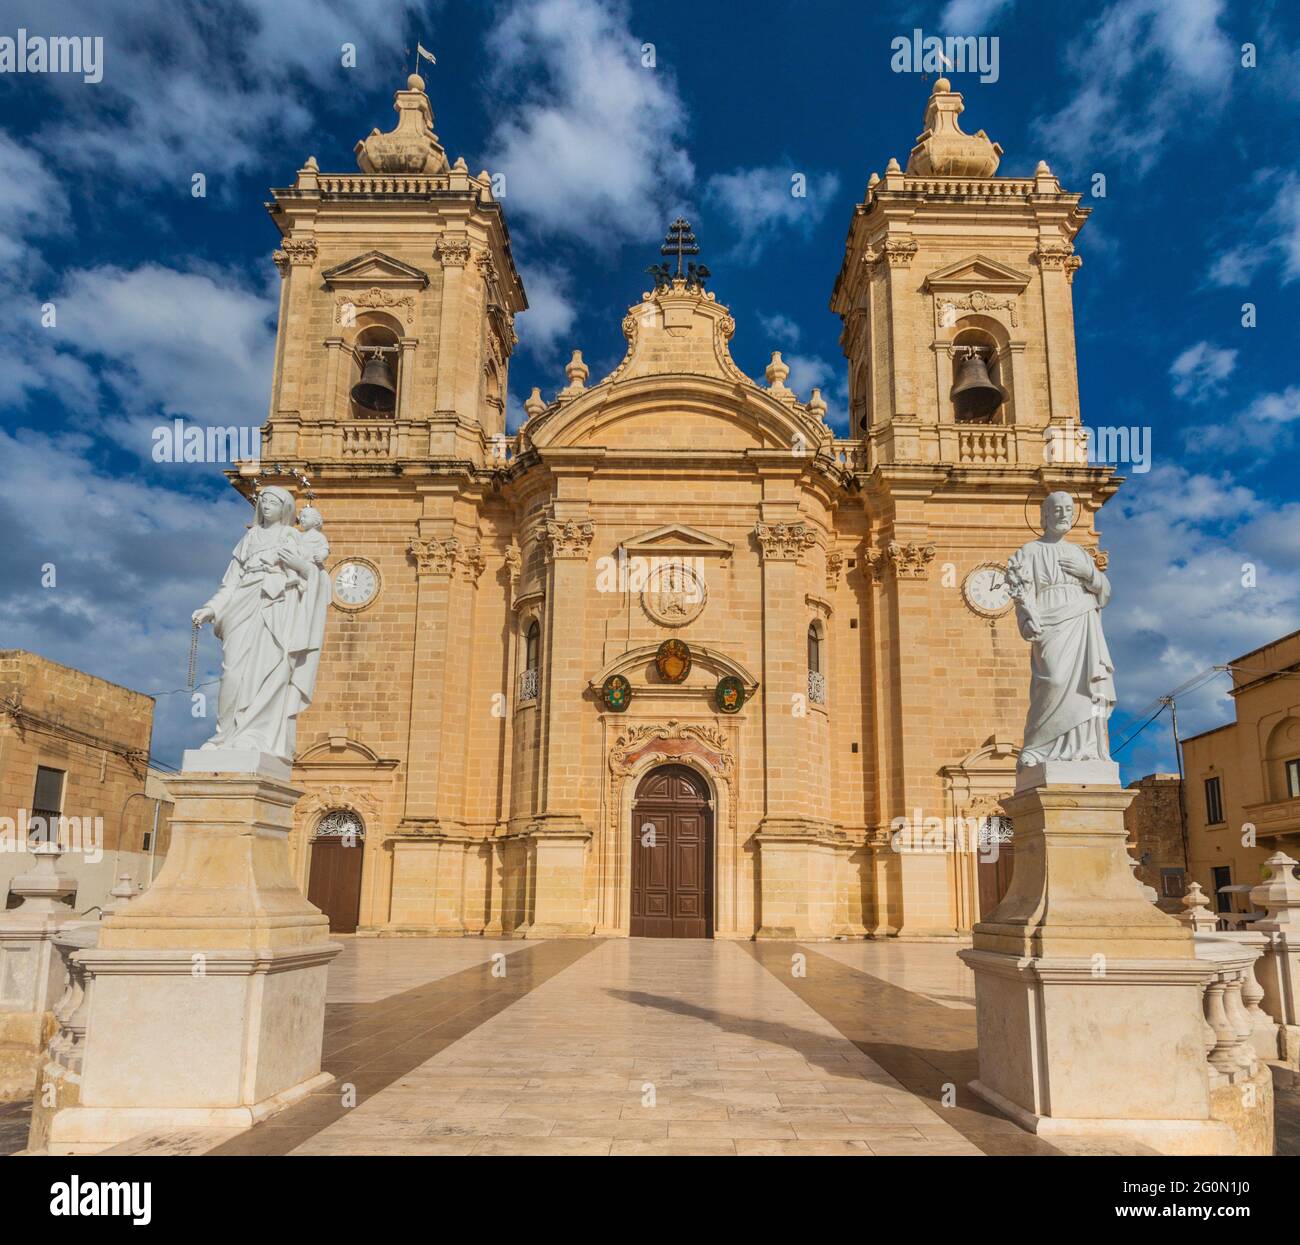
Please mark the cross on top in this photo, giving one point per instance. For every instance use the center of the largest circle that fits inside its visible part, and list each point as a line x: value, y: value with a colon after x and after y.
x: 680, y: 242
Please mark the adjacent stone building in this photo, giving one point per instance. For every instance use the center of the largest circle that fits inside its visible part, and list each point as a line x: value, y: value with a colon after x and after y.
x: 1243, y: 778
x: 76, y: 747
x: 673, y: 658
x: 1157, y: 838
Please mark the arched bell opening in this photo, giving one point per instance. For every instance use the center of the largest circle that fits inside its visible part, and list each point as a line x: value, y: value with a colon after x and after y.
x: 979, y: 393
x: 375, y: 366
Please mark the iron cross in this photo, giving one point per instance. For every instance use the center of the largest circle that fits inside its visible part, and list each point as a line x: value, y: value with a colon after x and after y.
x: 680, y: 242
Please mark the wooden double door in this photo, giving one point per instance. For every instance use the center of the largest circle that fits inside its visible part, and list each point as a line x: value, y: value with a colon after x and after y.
x: 672, y: 856
x: 334, y: 884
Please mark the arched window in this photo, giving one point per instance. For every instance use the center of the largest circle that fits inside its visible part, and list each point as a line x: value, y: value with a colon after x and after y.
x: 529, y: 676
x: 816, y: 676
x: 341, y: 823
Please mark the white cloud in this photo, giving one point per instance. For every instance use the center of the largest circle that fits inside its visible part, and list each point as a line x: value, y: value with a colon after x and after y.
x: 782, y: 328
x: 1274, y: 238
x: 132, y: 556
x: 1142, y: 65
x: 1201, y: 369
x: 1180, y: 545
x: 155, y: 342
x: 809, y: 372
x: 32, y: 205
x: 551, y: 311
x: 187, y: 89
x: 762, y: 202
x: 591, y: 140
x: 971, y: 17
x: 1265, y: 423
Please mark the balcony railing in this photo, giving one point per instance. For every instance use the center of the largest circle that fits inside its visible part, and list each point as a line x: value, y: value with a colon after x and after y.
x: 816, y: 687
x: 528, y: 685
x: 984, y: 445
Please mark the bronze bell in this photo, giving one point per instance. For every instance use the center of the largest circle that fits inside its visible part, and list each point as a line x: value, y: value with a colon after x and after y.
x: 974, y: 395
x: 375, y: 390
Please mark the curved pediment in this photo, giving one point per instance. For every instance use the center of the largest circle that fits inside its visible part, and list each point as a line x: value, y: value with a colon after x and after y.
x: 677, y: 389
x: 708, y: 665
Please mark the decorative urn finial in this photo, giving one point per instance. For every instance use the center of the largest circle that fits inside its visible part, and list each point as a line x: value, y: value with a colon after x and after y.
x: 942, y: 149
x: 410, y: 146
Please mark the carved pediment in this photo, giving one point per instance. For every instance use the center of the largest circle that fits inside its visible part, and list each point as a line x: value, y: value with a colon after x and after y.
x: 976, y: 272
x: 677, y: 539
x: 375, y: 268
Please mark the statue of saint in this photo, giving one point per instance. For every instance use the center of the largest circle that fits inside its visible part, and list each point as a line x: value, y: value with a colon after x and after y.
x: 1059, y: 593
x: 269, y: 615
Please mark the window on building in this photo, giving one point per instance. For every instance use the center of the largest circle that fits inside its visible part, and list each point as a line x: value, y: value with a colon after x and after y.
x: 528, y: 676
x: 1222, y: 877
x: 1173, y: 883
x: 1213, y: 801
x: 816, y: 676
x: 1293, y: 779
x: 47, y: 801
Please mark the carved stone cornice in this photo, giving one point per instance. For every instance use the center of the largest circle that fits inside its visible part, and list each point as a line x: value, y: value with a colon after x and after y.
x: 910, y: 561
x: 1058, y: 257
x: 453, y: 252
x: 784, y: 542
x: 568, y: 539
x: 295, y: 252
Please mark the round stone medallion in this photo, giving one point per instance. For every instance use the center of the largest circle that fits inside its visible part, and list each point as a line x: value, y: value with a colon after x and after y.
x: 675, y: 594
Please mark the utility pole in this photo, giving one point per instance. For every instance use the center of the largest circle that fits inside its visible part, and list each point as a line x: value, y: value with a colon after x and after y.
x: 1182, y: 802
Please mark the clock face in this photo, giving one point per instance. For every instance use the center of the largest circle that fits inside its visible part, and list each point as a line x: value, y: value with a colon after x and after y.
x: 356, y: 584
x: 986, y: 590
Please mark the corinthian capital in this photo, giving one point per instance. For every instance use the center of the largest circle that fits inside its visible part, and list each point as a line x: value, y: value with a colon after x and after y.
x: 784, y: 542
x: 910, y: 561
x: 432, y: 555
x: 568, y: 539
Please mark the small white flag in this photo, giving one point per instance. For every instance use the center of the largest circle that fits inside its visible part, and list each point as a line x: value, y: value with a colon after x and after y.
x: 423, y: 51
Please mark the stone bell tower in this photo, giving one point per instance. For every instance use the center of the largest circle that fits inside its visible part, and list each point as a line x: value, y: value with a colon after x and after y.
x: 407, y: 264
x: 956, y: 285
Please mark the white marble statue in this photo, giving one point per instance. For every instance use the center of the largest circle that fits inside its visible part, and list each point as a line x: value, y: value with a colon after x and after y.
x: 269, y: 615
x: 1059, y: 593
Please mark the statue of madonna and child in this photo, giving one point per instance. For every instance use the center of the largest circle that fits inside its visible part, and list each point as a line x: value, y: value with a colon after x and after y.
x: 1059, y: 592
x: 269, y: 615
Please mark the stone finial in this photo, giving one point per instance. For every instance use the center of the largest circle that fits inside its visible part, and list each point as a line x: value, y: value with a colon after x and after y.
x: 893, y: 165
x: 776, y: 373
x: 121, y: 894
x: 1279, y: 897
x: 942, y: 149
x: 534, y: 404
x: 577, y: 372
x: 1196, y: 914
x: 873, y: 181
x: 410, y: 146
x: 1042, y: 169
x: 42, y: 888
x: 817, y: 404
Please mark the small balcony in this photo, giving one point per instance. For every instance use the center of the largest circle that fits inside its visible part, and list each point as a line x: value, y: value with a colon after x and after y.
x: 816, y: 687
x: 528, y: 685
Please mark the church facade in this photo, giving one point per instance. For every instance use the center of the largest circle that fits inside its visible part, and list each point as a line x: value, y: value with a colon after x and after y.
x: 671, y: 659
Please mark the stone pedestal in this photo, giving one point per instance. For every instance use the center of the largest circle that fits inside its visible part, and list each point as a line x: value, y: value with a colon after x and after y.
x: 207, y: 993
x: 1089, y: 1004
x: 31, y: 972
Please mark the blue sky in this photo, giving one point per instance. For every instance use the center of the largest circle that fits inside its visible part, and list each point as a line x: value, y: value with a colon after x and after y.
x: 165, y: 302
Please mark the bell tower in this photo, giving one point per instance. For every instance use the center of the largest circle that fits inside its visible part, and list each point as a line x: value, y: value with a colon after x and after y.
x: 397, y: 305
x: 955, y: 298
x: 955, y: 286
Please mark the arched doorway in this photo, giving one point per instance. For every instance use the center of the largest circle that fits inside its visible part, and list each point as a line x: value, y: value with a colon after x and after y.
x: 672, y: 855
x: 334, y: 884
